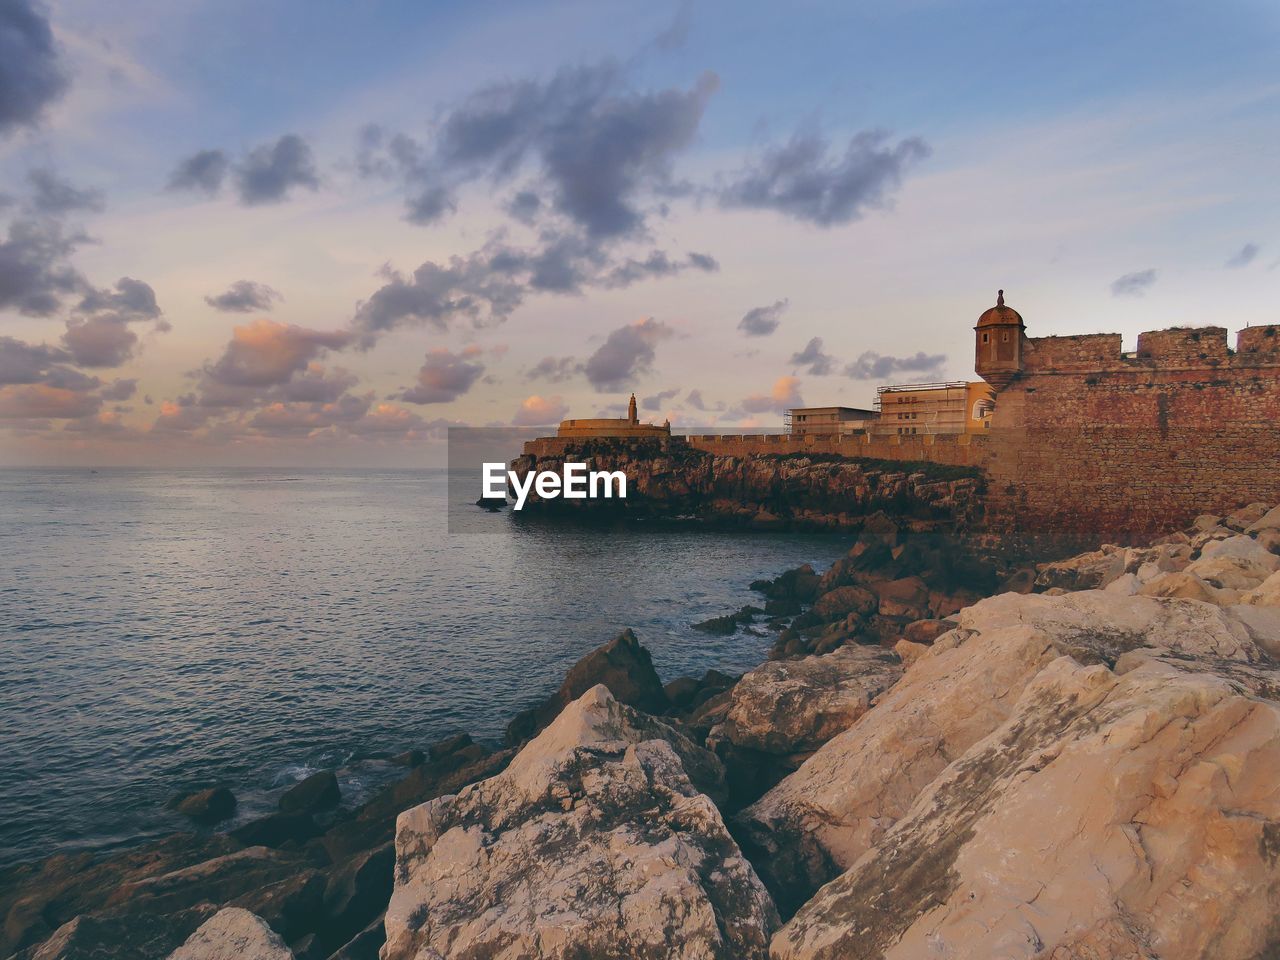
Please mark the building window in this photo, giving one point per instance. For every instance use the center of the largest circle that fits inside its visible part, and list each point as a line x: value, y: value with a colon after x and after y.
x: 1005, y: 336
x: 986, y: 338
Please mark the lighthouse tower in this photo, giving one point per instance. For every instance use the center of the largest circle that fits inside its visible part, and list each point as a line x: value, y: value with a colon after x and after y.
x: 1000, y: 336
x: 633, y: 415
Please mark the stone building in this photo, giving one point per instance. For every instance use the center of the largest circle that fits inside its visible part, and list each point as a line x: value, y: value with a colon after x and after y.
x: 630, y: 427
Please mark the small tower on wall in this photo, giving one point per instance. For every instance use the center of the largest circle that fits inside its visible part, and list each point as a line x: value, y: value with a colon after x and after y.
x: 999, y: 336
x: 633, y: 415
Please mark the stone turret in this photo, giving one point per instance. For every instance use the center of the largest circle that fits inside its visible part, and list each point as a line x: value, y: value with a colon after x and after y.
x: 999, y: 338
x: 633, y: 415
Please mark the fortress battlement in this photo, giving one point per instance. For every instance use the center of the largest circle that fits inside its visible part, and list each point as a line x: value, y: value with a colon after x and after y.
x: 1175, y: 348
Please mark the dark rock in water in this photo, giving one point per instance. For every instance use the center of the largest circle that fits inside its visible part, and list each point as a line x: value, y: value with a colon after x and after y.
x: 622, y: 665
x: 205, y: 806
x: 492, y: 504
x: 215, y: 881
x: 782, y: 607
x: 799, y: 585
x: 410, y: 758
x: 317, y: 792
x: 357, y: 893
x: 452, y: 744
x: 681, y: 691
x: 365, y: 944
x: 730, y: 622
x: 277, y: 829
x: 120, y: 937
x: 291, y: 907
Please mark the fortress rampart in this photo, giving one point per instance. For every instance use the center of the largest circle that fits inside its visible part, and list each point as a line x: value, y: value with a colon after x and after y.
x: 1086, y: 443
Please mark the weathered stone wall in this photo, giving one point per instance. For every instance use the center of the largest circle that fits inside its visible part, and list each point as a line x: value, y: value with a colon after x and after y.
x: 1138, y: 444
x: 953, y: 450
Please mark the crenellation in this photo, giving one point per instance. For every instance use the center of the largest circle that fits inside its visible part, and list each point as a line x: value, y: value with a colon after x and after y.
x: 1184, y: 346
x: 1258, y: 340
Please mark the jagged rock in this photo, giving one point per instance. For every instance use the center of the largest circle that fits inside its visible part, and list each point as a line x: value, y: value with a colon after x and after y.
x: 926, y: 631
x: 909, y: 652
x: 233, y: 934
x: 1086, y: 571
x: 681, y: 691
x: 1263, y: 624
x: 1132, y: 813
x: 1266, y: 594
x: 357, y: 892
x: 818, y: 821
x: 1236, y: 563
x: 593, y: 843
x: 1246, y: 516
x: 277, y: 830
x: 907, y: 597
x: 219, y: 880
x: 410, y: 758
x: 116, y: 937
x: 449, y: 745
x: 291, y: 907
x: 1268, y: 521
x: 840, y: 602
x: 795, y: 706
x: 1180, y: 586
x: 205, y: 806
x: 622, y: 665
x: 312, y: 794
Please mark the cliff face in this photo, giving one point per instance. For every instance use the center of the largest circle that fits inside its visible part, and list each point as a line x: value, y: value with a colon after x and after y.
x: 765, y: 490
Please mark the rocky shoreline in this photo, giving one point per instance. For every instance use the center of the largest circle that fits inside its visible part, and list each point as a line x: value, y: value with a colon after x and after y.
x: 1080, y: 759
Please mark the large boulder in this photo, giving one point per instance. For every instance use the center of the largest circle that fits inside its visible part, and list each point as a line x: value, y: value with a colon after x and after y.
x: 821, y: 819
x: 118, y: 937
x: 1085, y: 571
x: 233, y: 934
x: 1131, y: 813
x: 622, y: 665
x: 312, y: 794
x: 840, y: 602
x: 205, y: 806
x: 795, y: 706
x: 594, y: 842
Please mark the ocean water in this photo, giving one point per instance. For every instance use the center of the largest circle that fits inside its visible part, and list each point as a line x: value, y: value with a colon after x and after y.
x: 167, y: 629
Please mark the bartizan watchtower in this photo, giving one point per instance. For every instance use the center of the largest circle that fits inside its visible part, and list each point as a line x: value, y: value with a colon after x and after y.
x: 999, y: 336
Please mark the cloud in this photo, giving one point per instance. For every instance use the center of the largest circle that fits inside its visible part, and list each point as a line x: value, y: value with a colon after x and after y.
x: 119, y: 390
x: 31, y: 74
x: 203, y: 171
x: 762, y: 321
x: 656, y: 401
x: 244, y: 296
x: 28, y: 363
x: 35, y: 273
x: 538, y: 411
x: 267, y: 353
x: 444, y: 377
x: 51, y: 194
x: 1133, y: 284
x: 625, y: 354
x: 270, y: 171
x: 657, y: 264
x: 596, y: 149
x: 99, y: 335
x: 554, y: 369
x: 784, y: 395
x: 808, y: 180
x: 694, y: 399
x: 41, y: 401
x: 37, y: 384
x: 487, y: 285
x: 875, y: 366
x: 1244, y: 257
x: 820, y: 364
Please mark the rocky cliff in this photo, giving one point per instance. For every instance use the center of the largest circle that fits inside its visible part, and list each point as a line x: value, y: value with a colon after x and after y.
x: 765, y: 491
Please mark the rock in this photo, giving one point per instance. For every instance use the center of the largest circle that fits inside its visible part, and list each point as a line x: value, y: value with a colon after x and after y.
x: 1236, y: 563
x: 681, y: 691
x: 1129, y: 813
x: 927, y: 631
x: 364, y: 945
x: 1245, y: 517
x: 117, y: 937
x: 1268, y: 521
x: 909, y: 652
x: 1205, y: 522
x: 205, y: 806
x: 291, y: 907
x: 448, y: 746
x: 795, y: 706
x: 313, y: 794
x: 1125, y: 585
x: 1087, y: 571
x: 1183, y: 586
x: 907, y: 597
x: 821, y: 819
x: 277, y: 830
x: 356, y: 893
x: 1263, y: 624
x: 842, y: 601
x: 1266, y: 594
x: 233, y: 934
x: 410, y: 758
x: 592, y: 843
x: 622, y: 665
x: 219, y: 880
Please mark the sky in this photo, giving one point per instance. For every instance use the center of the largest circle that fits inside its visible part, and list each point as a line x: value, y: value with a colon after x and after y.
x: 319, y: 233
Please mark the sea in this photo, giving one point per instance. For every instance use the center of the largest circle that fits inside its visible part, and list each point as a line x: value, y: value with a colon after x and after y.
x: 165, y: 630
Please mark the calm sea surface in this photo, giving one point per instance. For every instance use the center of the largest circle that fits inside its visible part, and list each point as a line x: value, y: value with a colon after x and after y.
x: 170, y: 629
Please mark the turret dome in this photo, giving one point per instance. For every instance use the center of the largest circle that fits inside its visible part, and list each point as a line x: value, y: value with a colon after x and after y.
x: 1000, y: 315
